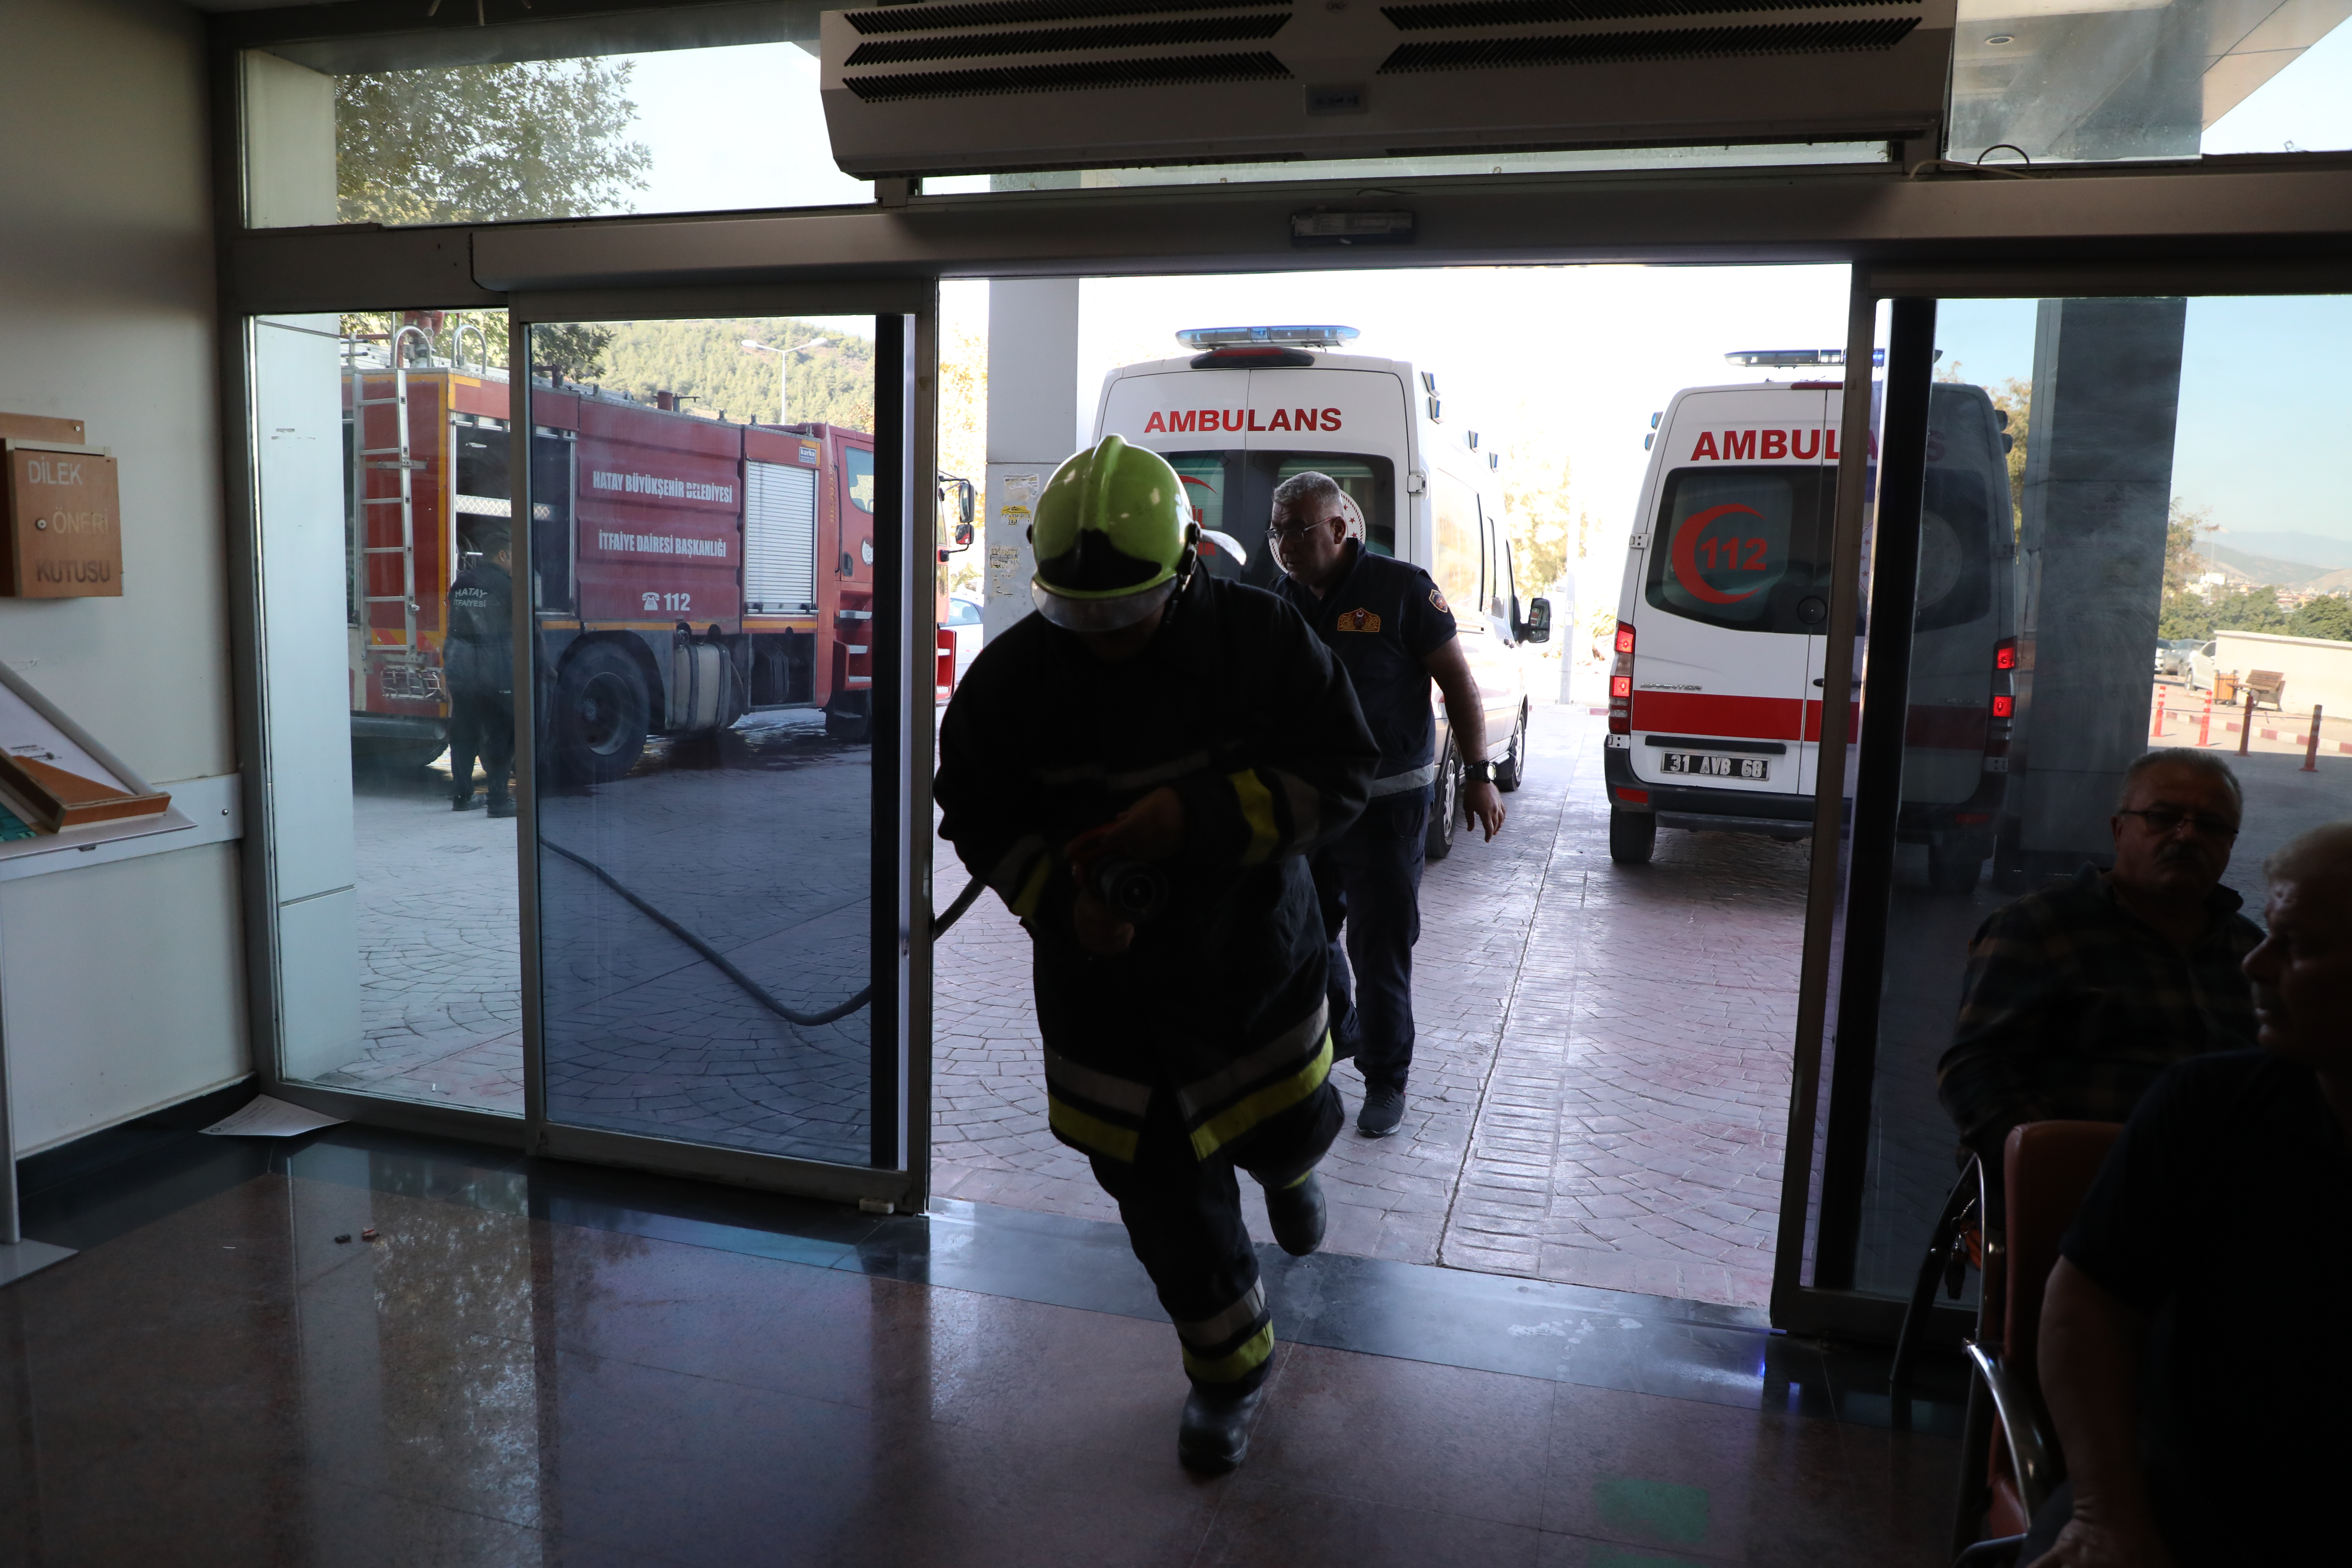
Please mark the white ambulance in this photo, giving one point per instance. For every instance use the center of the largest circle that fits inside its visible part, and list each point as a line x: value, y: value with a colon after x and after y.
x: 1250, y: 406
x: 1714, y: 698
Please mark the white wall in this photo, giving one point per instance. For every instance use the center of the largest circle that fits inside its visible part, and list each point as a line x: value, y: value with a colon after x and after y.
x: 2316, y: 669
x: 122, y: 984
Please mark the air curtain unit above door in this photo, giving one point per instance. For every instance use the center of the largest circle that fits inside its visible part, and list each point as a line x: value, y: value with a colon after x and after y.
x: 971, y: 86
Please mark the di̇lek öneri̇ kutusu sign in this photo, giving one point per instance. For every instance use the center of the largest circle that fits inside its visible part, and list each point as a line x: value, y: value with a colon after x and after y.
x: 64, y: 523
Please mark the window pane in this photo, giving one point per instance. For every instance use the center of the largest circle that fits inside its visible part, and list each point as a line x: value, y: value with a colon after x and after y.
x: 2134, y: 81
x: 2136, y: 589
x: 1741, y: 548
x: 666, y: 130
x: 1455, y: 563
x: 382, y: 482
x: 704, y: 701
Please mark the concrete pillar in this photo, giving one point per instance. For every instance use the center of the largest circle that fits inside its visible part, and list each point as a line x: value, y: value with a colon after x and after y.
x: 2099, y: 491
x: 1032, y: 424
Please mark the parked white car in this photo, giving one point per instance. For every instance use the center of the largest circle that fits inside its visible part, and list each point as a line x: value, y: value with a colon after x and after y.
x: 2201, y: 667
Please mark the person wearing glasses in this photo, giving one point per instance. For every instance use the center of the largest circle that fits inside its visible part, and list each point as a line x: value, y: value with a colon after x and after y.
x: 2078, y: 997
x: 1391, y: 630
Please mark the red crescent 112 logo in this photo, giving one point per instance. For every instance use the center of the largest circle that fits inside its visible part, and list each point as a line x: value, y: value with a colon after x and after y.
x: 1686, y: 555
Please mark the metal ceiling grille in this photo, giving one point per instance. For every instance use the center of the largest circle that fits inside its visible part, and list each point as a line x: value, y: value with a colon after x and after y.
x: 916, y: 18
x: 1541, y: 13
x: 1060, y: 40
x: 1684, y: 44
x: 1071, y: 77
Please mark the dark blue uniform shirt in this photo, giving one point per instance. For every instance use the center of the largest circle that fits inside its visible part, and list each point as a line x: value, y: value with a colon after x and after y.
x: 1381, y: 619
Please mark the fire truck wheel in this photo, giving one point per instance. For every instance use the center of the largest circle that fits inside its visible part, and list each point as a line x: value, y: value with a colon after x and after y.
x: 1513, y: 768
x: 1632, y: 835
x: 601, y: 712
x: 1444, y: 806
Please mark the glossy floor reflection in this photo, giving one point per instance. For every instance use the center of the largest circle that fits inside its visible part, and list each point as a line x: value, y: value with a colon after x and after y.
x: 546, y: 1364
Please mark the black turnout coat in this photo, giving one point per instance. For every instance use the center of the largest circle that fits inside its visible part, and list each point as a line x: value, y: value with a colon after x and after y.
x: 1239, y: 707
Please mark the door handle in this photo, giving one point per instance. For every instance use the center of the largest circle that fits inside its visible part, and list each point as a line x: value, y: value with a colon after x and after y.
x: 1816, y: 680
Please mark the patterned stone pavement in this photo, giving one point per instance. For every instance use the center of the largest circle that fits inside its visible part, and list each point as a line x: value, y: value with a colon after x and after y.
x: 1600, y: 1082
x: 440, y: 977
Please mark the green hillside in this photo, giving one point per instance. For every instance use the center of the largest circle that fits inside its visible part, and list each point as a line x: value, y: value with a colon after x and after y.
x: 707, y: 365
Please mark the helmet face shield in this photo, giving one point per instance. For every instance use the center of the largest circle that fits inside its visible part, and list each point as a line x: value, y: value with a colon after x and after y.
x: 1105, y: 614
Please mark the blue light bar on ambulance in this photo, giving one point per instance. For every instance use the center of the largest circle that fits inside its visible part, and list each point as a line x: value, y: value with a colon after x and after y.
x: 1198, y: 338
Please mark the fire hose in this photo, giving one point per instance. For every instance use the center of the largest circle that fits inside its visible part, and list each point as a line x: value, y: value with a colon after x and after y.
x: 750, y: 986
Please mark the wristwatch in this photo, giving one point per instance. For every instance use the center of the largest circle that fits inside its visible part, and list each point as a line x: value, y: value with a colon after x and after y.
x: 1481, y: 771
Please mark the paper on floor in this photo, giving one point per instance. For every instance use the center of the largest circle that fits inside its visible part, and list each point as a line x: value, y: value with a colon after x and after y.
x: 266, y: 1118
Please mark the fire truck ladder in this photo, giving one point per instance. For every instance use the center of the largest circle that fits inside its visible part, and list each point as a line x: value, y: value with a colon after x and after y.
x: 406, y: 462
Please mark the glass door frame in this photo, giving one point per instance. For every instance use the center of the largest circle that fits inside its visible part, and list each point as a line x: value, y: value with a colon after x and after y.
x: 906, y: 315
x: 1823, y: 1180
x: 904, y: 415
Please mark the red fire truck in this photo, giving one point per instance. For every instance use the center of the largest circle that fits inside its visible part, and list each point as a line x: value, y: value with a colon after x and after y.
x: 687, y: 570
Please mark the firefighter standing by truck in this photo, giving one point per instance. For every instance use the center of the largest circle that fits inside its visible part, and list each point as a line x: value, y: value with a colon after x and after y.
x: 1139, y: 770
x: 478, y: 662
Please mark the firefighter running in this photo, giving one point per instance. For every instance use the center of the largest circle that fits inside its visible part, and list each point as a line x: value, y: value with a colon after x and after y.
x: 1139, y: 770
x: 478, y: 661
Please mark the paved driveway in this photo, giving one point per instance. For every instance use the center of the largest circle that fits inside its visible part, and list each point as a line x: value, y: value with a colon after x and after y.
x: 1601, y: 1081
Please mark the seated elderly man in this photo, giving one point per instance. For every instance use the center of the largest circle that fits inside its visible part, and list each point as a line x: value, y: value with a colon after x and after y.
x: 2192, y: 1348
x: 2078, y: 995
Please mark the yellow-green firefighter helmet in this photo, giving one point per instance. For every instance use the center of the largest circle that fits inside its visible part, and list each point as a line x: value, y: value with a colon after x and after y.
x: 1113, y: 534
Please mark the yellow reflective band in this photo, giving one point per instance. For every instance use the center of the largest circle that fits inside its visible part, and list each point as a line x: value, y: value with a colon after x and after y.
x: 1095, y: 1133
x: 1033, y: 889
x: 1238, y: 1119
x: 1234, y: 1367
x: 1257, y: 810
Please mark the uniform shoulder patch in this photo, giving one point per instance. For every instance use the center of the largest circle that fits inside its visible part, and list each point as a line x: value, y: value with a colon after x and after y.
x: 1438, y: 599
x: 1357, y: 621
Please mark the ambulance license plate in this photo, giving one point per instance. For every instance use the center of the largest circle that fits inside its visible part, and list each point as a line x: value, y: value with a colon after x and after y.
x: 1717, y: 767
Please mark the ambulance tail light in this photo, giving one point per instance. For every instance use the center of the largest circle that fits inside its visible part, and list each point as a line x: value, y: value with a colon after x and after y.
x: 2001, y: 721
x: 1621, y: 682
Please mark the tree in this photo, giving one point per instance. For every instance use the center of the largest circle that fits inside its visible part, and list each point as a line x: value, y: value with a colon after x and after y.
x: 1547, y: 529
x: 464, y: 144
x: 2183, y: 564
x: 2329, y: 616
x: 2249, y: 610
x: 706, y: 363
x: 570, y: 351
x: 2014, y: 398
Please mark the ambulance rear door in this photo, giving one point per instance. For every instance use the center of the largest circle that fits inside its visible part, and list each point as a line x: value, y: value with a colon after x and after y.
x: 1733, y: 594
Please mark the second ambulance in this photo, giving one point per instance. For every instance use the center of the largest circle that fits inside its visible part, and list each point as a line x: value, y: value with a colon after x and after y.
x: 1715, y: 705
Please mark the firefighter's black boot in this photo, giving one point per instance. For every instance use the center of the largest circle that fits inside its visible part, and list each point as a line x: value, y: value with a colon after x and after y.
x: 462, y: 802
x: 502, y: 805
x: 1215, y: 1437
x: 1296, y: 1213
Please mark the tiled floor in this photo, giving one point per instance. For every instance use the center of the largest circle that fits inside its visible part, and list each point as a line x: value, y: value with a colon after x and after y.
x: 543, y: 1364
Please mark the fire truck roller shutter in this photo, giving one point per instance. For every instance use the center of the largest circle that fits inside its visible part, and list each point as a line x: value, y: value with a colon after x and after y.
x: 779, y: 539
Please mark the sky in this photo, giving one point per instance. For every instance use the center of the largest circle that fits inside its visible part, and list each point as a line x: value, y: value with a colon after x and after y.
x: 1582, y: 356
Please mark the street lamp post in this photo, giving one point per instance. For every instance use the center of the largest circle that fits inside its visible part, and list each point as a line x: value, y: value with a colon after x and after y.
x: 784, y: 366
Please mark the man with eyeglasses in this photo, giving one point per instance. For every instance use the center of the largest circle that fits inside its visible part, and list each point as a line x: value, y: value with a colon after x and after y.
x: 1392, y: 631
x: 2079, y: 995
